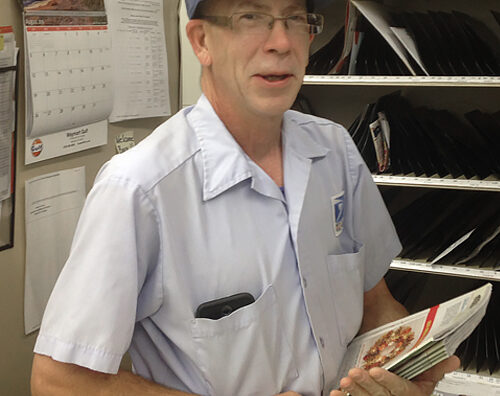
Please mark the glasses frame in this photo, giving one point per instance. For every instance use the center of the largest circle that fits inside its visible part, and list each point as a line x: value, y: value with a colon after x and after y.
x: 227, y: 21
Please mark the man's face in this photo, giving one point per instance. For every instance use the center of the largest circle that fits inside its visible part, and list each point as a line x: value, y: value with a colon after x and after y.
x: 260, y: 73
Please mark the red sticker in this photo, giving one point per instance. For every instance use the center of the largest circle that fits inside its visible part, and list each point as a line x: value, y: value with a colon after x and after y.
x: 36, y: 147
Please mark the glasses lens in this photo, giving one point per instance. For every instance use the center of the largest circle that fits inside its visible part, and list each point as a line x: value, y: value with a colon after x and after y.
x: 250, y: 22
x: 298, y: 23
x: 257, y: 23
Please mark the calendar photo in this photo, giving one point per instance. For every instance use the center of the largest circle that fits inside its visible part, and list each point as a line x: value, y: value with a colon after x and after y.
x: 64, y: 5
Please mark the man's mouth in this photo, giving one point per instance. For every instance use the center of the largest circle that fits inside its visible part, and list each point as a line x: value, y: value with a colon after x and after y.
x: 275, y: 77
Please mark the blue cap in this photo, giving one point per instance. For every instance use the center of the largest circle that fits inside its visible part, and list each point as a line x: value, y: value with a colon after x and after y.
x: 192, y: 4
x: 191, y: 7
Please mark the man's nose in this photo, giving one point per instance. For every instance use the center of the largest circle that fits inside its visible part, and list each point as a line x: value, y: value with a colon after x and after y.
x: 279, y: 39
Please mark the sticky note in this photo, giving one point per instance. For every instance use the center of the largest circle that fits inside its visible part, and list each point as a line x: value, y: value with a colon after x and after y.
x: 124, y: 141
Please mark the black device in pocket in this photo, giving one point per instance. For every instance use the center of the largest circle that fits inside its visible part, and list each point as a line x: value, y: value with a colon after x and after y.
x: 216, y: 309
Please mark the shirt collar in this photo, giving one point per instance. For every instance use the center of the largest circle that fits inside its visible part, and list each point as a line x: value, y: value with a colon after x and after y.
x: 224, y: 162
x: 297, y: 138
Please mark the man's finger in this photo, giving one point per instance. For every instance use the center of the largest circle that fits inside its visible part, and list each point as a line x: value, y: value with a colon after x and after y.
x: 354, y: 389
x: 349, y: 387
x: 395, y: 384
x: 363, y: 380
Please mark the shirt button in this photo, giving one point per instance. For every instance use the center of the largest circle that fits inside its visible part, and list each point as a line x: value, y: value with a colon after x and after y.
x: 304, y: 282
x: 322, y: 342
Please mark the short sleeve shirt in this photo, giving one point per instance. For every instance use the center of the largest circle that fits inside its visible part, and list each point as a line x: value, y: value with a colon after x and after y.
x: 187, y: 217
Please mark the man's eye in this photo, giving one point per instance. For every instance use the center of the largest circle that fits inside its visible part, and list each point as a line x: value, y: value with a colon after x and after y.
x: 249, y: 17
x: 297, y: 18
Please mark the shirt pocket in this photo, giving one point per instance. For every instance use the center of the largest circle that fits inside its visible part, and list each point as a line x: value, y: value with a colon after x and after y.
x: 346, y: 274
x: 246, y: 352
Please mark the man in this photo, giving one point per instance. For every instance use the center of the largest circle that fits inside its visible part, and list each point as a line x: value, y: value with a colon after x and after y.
x: 234, y: 195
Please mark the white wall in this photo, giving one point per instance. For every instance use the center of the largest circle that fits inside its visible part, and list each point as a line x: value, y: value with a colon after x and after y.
x: 190, y: 67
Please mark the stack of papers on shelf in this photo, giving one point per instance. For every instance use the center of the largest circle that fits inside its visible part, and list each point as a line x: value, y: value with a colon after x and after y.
x: 426, y: 141
x: 398, y: 38
x: 378, y: 39
x: 414, y: 344
x: 448, y: 227
x: 481, y: 351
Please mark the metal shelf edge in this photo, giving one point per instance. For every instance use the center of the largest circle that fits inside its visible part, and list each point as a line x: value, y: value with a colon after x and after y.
x: 430, y: 81
x: 473, y: 384
x: 464, y: 272
x: 456, y: 184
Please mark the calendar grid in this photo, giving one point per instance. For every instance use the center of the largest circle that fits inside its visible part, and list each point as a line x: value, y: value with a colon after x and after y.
x: 70, y: 76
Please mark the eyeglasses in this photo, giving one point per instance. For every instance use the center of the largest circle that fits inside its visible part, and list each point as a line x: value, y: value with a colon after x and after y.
x: 258, y: 23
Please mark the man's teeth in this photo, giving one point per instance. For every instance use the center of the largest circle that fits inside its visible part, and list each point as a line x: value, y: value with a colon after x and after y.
x: 275, y: 78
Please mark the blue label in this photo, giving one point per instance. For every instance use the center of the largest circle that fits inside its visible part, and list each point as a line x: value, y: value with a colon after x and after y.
x: 338, y: 212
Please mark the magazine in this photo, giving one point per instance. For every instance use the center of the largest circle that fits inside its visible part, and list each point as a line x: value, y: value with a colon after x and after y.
x: 409, y: 346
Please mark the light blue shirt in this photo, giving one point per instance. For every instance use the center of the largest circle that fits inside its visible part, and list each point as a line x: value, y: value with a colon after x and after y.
x: 187, y: 217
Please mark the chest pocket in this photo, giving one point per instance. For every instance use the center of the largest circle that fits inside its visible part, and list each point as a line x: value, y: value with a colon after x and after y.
x: 245, y: 353
x: 346, y: 272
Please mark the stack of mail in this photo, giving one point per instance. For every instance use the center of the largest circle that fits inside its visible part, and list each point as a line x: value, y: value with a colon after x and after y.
x: 413, y: 344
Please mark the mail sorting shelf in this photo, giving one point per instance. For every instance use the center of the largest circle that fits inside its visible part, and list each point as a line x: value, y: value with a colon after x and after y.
x: 355, y: 91
x: 471, y: 267
x: 343, y: 101
x: 457, y: 184
x: 356, y: 97
x: 322, y: 98
x: 341, y: 98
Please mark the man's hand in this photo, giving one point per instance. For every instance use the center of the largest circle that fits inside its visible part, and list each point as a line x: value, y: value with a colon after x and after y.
x: 380, y: 382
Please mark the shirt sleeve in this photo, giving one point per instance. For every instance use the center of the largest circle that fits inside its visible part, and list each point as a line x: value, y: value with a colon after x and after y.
x: 372, y: 224
x: 110, y: 280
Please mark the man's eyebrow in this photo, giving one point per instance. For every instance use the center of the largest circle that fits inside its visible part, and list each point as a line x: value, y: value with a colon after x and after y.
x: 298, y: 5
x: 259, y: 6
x: 254, y: 5
x: 294, y: 8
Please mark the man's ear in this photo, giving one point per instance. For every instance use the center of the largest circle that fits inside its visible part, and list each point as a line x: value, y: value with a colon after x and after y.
x: 195, y: 31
